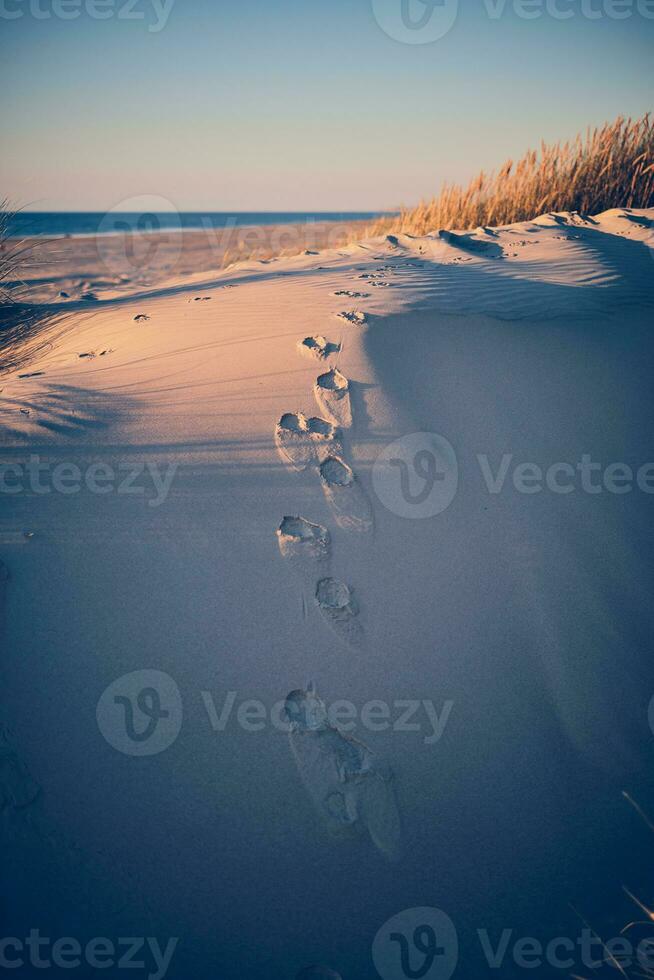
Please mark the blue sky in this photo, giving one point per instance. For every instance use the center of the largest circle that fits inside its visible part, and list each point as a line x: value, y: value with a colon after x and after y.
x: 294, y: 105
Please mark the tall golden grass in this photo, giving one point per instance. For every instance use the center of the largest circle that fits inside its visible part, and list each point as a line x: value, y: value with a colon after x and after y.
x: 609, y: 167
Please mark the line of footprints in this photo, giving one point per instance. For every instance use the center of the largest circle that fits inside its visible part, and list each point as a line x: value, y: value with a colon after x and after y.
x: 317, y: 443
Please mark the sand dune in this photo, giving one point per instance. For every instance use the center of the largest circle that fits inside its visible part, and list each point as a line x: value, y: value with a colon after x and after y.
x: 197, y: 508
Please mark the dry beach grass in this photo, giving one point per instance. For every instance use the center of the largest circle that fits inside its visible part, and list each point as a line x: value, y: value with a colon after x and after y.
x: 14, y: 254
x: 610, y: 167
x: 23, y: 325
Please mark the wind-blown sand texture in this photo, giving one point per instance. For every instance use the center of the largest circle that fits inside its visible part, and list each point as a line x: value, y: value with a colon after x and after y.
x: 81, y: 265
x: 530, y: 611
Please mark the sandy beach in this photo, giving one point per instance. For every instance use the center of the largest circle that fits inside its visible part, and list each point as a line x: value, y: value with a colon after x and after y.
x: 396, y: 469
x: 77, y: 265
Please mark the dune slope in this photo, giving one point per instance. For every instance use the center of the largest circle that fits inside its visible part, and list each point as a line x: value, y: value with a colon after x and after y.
x: 152, y: 455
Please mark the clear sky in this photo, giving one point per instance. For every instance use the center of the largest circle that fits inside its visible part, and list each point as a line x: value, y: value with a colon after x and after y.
x: 298, y: 104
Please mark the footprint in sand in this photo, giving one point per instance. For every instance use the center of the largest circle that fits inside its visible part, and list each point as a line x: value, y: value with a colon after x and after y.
x: 318, y: 347
x: 352, y: 316
x: 340, y: 610
x: 304, y: 545
x: 301, y: 540
x: 292, y: 440
x: 352, y: 790
x: 332, y: 391
x: 301, y: 441
x: 352, y: 293
x: 325, y: 438
x: 347, y: 500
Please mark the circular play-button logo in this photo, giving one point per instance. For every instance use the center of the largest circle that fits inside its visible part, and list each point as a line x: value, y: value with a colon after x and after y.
x: 417, y: 943
x: 417, y: 476
x: 415, y: 21
x: 141, y: 713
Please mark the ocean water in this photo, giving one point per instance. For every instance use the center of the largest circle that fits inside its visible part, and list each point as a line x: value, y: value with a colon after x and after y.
x: 53, y: 223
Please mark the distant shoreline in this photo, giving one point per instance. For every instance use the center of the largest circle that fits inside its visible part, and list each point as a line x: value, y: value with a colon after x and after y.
x: 66, y: 266
x: 72, y: 224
